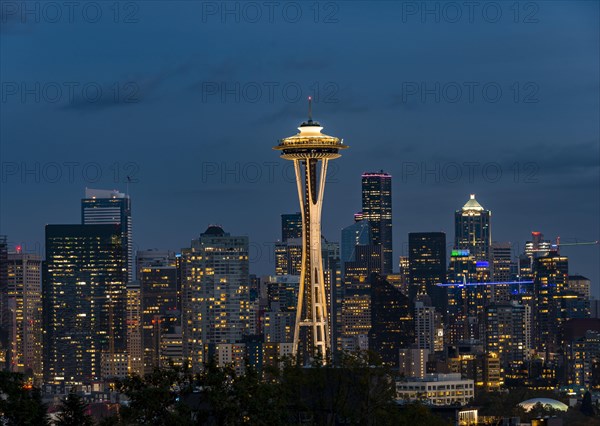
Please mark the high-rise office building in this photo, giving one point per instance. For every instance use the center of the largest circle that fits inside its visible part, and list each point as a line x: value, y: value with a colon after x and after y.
x: 135, y: 350
x: 367, y: 261
x: 502, y: 270
x: 288, y: 257
x: 308, y: 149
x: 291, y: 226
x: 103, y: 207
x: 355, y: 317
x: 473, y: 229
x: 506, y: 334
x: 158, y: 290
x: 427, y: 265
x: 425, y: 330
x: 84, y: 298
x: 280, y: 313
x: 377, y: 209
x: 4, y: 313
x: 580, y: 285
x: 466, y: 302
x: 359, y: 233
x: 413, y: 362
x: 153, y: 257
x: 537, y: 247
x: 24, y: 299
x: 392, y: 326
x: 583, y: 356
x: 215, y: 293
x: 550, y: 282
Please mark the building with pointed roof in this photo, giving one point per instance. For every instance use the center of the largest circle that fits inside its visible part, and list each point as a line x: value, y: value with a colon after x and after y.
x: 473, y: 229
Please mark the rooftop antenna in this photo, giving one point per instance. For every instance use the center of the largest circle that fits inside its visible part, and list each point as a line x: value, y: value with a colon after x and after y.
x: 310, y: 109
x: 127, y: 186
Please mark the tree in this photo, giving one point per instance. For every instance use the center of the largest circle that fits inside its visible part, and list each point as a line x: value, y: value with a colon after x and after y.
x: 156, y: 398
x: 20, y: 403
x: 72, y: 411
x: 586, y: 405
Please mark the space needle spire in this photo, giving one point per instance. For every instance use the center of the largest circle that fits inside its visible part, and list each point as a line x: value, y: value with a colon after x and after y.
x: 307, y: 149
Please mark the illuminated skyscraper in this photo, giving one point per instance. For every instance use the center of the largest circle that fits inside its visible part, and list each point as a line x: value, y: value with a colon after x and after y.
x: 424, y: 326
x: 291, y: 226
x: 427, y: 263
x: 158, y: 288
x: 506, y: 333
x: 215, y: 293
x: 377, y: 209
x: 503, y: 269
x: 84, y: 289
x: 135, y: 351
x: 359, y: 233
x: 473, y: 229
x: 4, y: 312
x: 101, y: 207
x: 392, y: 326
x: 25, y: 304
x: 537, y: 247
x: 580, y: 285
x: 550, y: 282
x: 306, y: 149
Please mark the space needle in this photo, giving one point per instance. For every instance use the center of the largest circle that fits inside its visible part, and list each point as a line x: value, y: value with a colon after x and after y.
x: 306, y: 149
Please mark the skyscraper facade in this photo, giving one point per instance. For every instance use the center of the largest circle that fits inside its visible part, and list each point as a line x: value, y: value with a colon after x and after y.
x: 215, y: 293
x: 4, y: 312
x: 392, y: 326
x: 503, y: 270
x: 24, y: 299
x: 425, y: 326
x: 359, y: 233
x: 158, y: 290
x: 427, y: 266
x: 377, y: 209
x: 550, y: 282
x: 135, y: 351
x: 291, y: 226
x: 473, y: 229
x: 84, y: 289
x: 102, y: 207
x: 506, y: 334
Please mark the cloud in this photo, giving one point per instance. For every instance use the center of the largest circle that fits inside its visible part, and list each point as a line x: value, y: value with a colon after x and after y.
x: 132, y: 89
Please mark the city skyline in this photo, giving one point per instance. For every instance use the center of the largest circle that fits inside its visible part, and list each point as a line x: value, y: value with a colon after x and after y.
x: 177, y: 245
x: 546, y: 143
x: 263, y: 261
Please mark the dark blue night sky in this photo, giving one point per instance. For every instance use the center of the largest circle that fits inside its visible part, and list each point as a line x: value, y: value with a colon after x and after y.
x: 189, y: 97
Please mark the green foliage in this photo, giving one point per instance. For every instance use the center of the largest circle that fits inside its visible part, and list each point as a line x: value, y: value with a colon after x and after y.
x: 504, y: 403
x: 72, y: 412
x: 417, y: 414
x: 586, y: 405
x: 355, y: 391
x: 20, y: 405
x: 155, y: 399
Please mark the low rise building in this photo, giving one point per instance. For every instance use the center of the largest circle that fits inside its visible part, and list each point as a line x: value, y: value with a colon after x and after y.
x: 437, y: 389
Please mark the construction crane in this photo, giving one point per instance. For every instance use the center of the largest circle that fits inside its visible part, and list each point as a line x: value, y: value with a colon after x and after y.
x: 466, y: 284
x: 553, y: 247
x: 556, y: 246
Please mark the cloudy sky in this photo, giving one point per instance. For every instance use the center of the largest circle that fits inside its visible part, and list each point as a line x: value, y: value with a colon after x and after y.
x: 187, y: 98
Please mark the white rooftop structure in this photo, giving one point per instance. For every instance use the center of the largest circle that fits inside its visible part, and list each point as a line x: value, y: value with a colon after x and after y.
x: 103, y: 193
x: 530, y: 403
x: 472, y: 204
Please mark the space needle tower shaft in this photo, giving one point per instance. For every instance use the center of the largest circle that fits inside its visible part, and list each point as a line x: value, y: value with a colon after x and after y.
x: 311, y: 150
